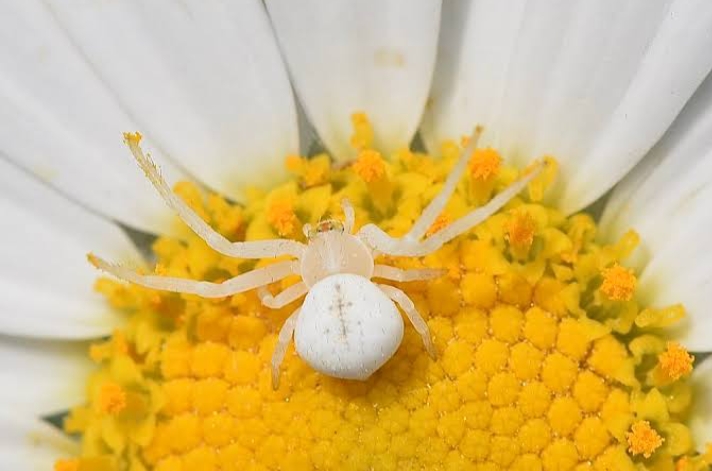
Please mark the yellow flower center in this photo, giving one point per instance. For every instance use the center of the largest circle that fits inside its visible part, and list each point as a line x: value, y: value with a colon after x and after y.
x: 536, y: 371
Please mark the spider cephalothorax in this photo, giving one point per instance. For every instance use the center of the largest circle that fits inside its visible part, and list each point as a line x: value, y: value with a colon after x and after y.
x: 348, y: 326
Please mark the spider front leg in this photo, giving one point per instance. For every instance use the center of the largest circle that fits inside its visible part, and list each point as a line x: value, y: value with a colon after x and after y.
x: 405, y: 303
x: 436, y: 206
x: 388, y: 272
x: 383, y: 243
x: 287, y: 296
x: 251, y: 249
x: 241, y: 283
x: 285, y: 336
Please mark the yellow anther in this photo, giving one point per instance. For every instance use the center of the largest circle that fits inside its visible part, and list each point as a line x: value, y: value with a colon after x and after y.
x: 294, y: 163
x: 643, y: 439
x: 676, y: 361
x: 618, y: 283
x: 281, y: 216
x: 132, y: 138
x: 369, y: 166
x: 521, y: 229
x: 112, y: 398
x: 440, y: 223
x: 683, y: 464
x: 485, y: 164
x: 362, y: 137
x: 312, y: 172
x: 93, y: 259
x: 66, y: 465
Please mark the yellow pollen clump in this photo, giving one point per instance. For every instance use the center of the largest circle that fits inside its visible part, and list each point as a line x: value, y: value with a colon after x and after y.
x: 485, y: 164
x: 643, y: 439
x: 521, y: 229
x: 369, y: 166
x: 281, y: 216
x: 440, y: 223
x: 362, y: 137
x: 312, y: 172
x: 618, y: 283
x: 67, y: 465
x: 676, y: 361
x: 112, y: 398
x: 536, y: 370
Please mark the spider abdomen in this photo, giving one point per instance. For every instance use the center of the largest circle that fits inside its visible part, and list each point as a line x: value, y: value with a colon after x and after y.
x: 347, y: 327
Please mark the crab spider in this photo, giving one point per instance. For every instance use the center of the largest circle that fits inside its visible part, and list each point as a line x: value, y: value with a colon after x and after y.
x: 348, y: 326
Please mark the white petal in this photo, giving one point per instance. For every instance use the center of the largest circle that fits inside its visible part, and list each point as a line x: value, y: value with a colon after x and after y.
x: 204, y: 80
x: 593, y: 83
x: 667, y: 199
x: 61, y: 122
x: 40, y: 378
x: 45, y: 279
x: 375, y: 56
x: 28, y: 444
x: 701, y: 414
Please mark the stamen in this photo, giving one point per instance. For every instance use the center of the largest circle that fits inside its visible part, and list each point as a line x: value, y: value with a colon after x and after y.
x: 112, y: 398
x: 485, y: 164
x: 362, y: 138
x: 618, y: 283
x: 675, y: 362
x: 643, y: 439
x: 520, y: 228
x: 442, y: 221
x: 312, y: 172
x: 281, y: 216
x: 67, y: 465
x: 369, y: 166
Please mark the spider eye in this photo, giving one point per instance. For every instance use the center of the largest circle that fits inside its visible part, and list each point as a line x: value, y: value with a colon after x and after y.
x: 326, y: 226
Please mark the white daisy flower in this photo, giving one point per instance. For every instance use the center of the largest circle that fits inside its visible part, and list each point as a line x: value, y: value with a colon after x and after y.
x: 619, y: 93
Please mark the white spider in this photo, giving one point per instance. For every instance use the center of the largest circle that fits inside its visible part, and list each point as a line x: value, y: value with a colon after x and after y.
x: 348, y: 326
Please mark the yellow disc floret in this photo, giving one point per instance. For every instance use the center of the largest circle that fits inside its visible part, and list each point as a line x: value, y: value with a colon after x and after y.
x: 485, y: 164
x: 67, y: 465
x: 521, y: 229
x: 643, y: 439
x: 362, y: 137
x: 618, y: 283
x: 545, y: 360
x: 369, y: 166
x: 675, y: 362
x: 112, y: 398
x: 281, y: 216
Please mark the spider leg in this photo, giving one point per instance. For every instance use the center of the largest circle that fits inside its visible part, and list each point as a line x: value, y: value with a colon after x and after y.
x: 287, y: 296
x: 436, y: 206
x: 384, y: 243
x: 285, y: 336
x: 349, y: 215
x: 243, y: 282
x: 388, y: 272
x: 405, y: 303
x: 252, y: 249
